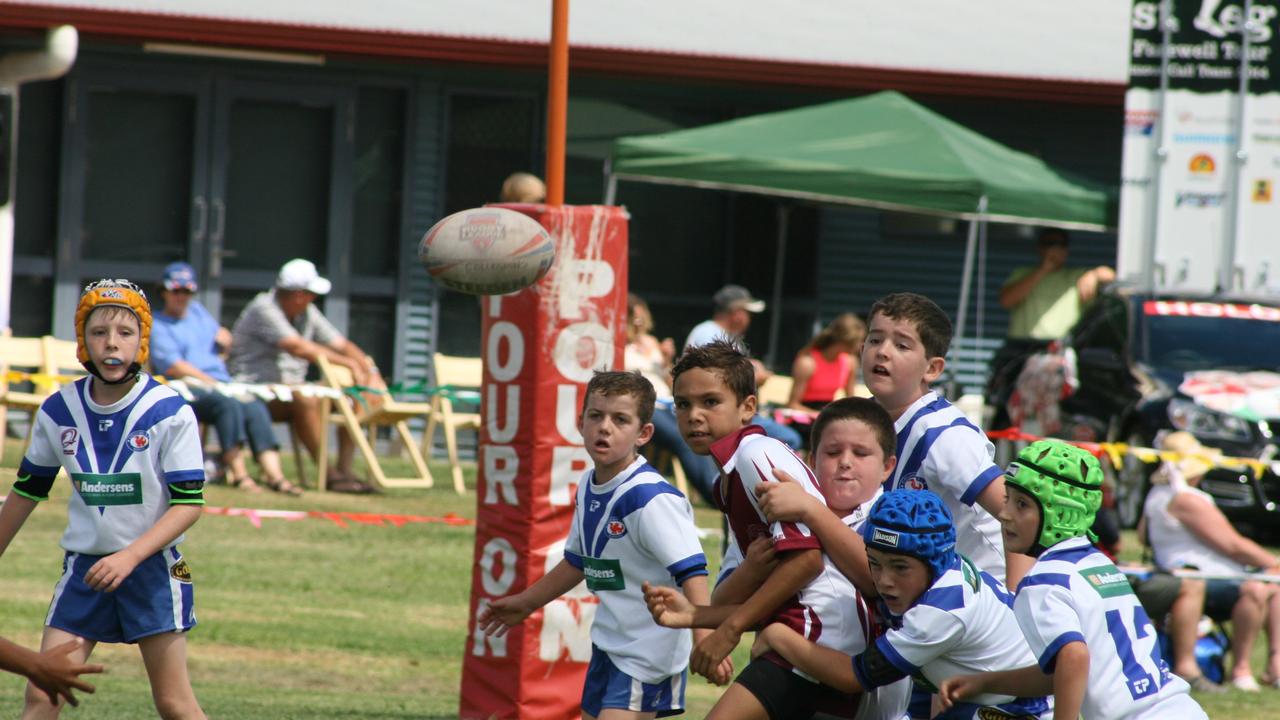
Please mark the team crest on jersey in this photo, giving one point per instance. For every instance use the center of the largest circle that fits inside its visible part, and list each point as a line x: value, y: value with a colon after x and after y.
x: 914, y: 482
x: 884, y: 537
x: 181, y: 571
x: 70, y: 439
x: 139, y: 441
x: 615, y: 529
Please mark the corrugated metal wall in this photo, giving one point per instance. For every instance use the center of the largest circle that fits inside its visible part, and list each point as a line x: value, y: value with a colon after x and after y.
x: 418, y: 308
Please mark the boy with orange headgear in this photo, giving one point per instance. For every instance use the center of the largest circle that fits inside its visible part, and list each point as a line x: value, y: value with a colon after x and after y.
x: 132, y: 451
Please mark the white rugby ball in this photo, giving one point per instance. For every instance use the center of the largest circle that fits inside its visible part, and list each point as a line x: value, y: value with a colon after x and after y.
x: 487, y: 251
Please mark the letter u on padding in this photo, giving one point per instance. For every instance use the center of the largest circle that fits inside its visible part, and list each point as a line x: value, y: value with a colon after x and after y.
x: 511, y: 417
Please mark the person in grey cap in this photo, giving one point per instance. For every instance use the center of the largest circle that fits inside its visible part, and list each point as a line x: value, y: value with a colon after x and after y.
x: 276, y: 338
x: 733, y: 308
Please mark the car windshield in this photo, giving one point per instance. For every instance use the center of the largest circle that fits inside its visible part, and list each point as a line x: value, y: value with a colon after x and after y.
x: 1184, y: 335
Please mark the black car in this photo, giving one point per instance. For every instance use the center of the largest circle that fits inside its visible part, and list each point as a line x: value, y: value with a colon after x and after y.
x: 1209, y: 365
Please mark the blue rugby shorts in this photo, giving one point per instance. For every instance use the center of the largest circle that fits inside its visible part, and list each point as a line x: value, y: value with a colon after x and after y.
x: 157, y: 597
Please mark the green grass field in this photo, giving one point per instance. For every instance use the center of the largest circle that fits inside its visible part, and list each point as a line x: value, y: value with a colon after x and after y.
x: 305, y: 619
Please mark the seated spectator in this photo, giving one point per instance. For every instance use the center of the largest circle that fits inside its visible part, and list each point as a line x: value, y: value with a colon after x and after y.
x: 651, y: 358
x: 185, y: 340
x: 274, y: 340
x: 828, y: 365
x: 1187, y: 530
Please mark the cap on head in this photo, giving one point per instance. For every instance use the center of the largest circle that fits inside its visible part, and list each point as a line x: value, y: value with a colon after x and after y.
x: 299, y: 274
x: 1066, y: 482
x: 119, y: 293
x: 915, y: 523
x: 179, y: 276
x: 732, y: 297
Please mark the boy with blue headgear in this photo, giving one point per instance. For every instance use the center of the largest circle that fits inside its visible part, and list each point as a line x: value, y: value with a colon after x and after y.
x: 132, y: 451
x: 1095, y: 648
x: 945, y: 616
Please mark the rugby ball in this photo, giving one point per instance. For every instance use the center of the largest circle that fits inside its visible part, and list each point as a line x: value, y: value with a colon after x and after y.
x: 487, y: 251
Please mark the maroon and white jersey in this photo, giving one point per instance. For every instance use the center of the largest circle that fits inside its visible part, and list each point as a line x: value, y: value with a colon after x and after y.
x: 828, y: 610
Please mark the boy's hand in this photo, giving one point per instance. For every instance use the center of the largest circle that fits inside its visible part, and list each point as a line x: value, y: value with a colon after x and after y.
x: 669, y: 607
x: 501, y: 614
x: 723, y: 674
x: 57, y: 674
x: 785, y: 500
x: 761, y: 556
x: 960, y: 688
x: 713, y: 650
x: 107, y: 574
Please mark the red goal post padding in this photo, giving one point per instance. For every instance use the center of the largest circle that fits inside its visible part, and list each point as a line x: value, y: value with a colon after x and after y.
x: 540, y: 346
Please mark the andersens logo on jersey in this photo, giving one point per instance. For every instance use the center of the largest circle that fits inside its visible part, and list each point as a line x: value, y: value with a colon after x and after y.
x: 1107, y: 580
x: 104, y: 489
x: 603, y: 574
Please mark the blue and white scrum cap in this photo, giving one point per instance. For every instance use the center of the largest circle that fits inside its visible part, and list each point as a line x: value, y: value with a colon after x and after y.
x: 915, y: 523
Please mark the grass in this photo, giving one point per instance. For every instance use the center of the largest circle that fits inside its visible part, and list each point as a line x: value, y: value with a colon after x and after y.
x: 306, y: 619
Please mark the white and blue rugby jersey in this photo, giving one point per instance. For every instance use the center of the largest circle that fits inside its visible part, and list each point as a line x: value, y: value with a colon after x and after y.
x: 940, y: 450
x: 1074, y: 594
x: 121, y: 459
x: 636, y: 528
x: 962, y: 624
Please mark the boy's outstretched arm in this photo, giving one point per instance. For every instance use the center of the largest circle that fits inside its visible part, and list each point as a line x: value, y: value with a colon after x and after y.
x: 505, y: 612
x: 787, y: 501
x: 53, y: 671
x: 794, y: 571
x: 107, y: 574
x: 1028, y: 681
x: 13, y: 514
x: 830, y: 667
x: 695, y: 589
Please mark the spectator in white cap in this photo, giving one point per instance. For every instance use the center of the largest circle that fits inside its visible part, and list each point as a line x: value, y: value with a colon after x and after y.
x: 274, y: 340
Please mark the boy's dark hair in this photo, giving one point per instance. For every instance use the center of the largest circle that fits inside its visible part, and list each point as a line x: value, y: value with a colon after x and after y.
x: 726, y: 359
x: 931, y: 322
x: 864, y: 410
x: 610, y: 383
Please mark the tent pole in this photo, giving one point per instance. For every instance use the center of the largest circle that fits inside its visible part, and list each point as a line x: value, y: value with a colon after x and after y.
x: 775, y: 304
x: 965, y: 279
x: 610, y: 182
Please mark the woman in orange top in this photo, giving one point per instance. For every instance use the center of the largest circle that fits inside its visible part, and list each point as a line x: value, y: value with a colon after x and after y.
x: 828, y: 365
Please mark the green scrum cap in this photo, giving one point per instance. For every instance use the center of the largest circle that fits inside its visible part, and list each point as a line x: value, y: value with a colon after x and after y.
x: 1066, y: 482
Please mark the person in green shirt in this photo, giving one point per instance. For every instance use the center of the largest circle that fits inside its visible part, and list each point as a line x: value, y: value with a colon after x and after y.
x: 1044, y: 302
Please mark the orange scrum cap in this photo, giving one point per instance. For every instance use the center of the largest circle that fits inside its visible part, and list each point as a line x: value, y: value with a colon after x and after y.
x: 120, y: 293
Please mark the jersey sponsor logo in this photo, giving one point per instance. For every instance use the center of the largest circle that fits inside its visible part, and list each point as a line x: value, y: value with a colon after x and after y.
x: 594, y: 506
x: 1107, y: 581
x: 139, y: 441
x: 70, y: 439
x: 105, y: 425
x: 180, y: 571
x: 615, y: 529
x: 884, y: 537
x: 108, y: 489
x: 603, y: 574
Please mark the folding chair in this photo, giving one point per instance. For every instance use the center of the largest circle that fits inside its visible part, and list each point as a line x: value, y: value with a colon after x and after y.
x: 775, y: 391
x: 452, y: 373
x: 389, y: 412
x: 20, y: 355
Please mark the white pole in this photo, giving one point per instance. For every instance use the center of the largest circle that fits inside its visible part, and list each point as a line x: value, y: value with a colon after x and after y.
x: 970, y: 247
x: 775, y: 304
x: 16, y: 68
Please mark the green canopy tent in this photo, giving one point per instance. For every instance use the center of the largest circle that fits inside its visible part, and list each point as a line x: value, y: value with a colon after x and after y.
x: 883, y: 151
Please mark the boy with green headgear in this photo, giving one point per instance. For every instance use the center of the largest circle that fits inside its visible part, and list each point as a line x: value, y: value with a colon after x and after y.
x: 1096, y: 649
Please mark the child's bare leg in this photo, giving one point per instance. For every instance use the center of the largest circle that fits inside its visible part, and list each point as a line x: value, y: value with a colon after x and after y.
x: 37, y: 705
x: 165, y: 656
x: 738, y: 703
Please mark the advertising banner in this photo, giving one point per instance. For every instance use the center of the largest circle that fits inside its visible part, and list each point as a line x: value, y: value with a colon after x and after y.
x: 1188, y: 149
x: 540, y: 346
